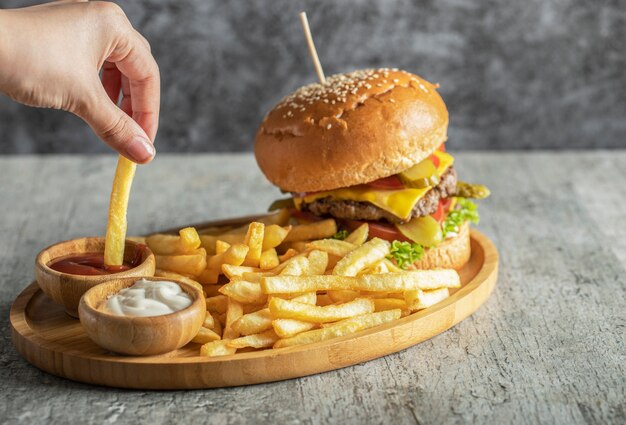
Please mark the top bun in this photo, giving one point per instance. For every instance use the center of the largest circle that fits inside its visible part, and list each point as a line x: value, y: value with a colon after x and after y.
x: 354, y: 129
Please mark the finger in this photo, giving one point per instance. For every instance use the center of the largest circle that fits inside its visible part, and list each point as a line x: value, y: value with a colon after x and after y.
x: 136, y: 63
x: 126, y: 105
x: 111, y: 81
x: 116, y: 128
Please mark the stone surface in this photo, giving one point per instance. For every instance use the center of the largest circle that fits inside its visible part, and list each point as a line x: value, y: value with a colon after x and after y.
x: 514, y: 74
x: 547, y: 347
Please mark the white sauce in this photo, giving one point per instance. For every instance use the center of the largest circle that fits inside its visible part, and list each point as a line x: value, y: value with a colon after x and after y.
x: 148, y: 298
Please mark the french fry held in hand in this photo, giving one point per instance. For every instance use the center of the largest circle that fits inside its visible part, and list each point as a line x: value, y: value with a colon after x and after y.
x: 288, y: 285
x: 118, y: 205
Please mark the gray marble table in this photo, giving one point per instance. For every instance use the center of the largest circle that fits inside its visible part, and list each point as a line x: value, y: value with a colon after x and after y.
x: 547, y: 347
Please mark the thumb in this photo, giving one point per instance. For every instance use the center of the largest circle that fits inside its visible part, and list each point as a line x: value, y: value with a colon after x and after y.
x: 117, y: 129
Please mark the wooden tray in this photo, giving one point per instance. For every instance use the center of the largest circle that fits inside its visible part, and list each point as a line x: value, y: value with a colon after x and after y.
x: 56, y: 343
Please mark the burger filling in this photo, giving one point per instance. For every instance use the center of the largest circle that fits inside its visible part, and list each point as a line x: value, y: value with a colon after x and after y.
x: 358, y: 210
x: 415, y: 209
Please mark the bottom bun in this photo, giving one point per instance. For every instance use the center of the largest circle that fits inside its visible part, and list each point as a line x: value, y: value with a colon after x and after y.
x: 451, y: 254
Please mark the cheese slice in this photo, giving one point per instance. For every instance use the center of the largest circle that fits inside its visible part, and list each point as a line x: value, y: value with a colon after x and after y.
x: 399, y: 202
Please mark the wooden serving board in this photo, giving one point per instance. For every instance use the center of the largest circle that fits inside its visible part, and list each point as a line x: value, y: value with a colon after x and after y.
x: 56, y: 343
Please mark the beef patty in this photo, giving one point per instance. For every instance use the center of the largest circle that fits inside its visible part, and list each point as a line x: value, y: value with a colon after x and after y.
x: 354, y: 210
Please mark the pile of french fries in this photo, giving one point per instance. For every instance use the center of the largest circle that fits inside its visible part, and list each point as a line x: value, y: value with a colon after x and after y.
x: 277, y: 283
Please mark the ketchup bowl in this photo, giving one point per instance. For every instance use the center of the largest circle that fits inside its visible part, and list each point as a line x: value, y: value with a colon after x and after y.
x: 66, y: 288
x: 140, y: 336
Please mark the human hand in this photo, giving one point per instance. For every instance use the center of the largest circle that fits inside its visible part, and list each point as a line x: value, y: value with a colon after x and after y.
x: 51, y: 55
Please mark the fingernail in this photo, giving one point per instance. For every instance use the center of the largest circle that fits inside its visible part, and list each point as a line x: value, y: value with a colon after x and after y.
x: 140, y: 149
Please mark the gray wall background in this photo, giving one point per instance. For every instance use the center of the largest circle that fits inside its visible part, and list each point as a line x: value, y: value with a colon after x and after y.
x: 515, y: 74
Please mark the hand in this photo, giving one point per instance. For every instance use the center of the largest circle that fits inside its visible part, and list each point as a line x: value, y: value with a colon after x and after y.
x: 50, y: 57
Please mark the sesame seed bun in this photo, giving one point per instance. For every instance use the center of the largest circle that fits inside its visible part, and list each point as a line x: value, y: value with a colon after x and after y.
x: 356, y: 128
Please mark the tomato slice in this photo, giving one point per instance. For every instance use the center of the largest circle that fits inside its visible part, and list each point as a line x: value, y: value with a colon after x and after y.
x: 386, y: 183
x: 385, y: 231
x: 440, y: 214
x: 435, y: 160
x: 445, y: 203
x: 442, y: 147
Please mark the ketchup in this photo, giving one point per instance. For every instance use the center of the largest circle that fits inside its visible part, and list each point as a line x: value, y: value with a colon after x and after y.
x: 92, y: 264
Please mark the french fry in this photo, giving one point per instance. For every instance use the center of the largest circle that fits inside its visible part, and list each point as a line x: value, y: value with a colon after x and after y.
x: 306, y: 298
x: 205, y: 335
x: 317, y: 230
x: 286, y: 328
x: 255, y: 276
x: 118, y: 205
x: 254, y: 323
x: 296, y: 266
x: 208, y: 241
x: 359, y: 235
x: 254, y: 240
x: 287, y: 255
x: 418, y: 300
x: 274, y: 236
x: 217, y: 304
x: 376, y: 268
x: 332, y: 246
x: 192, y: 264
x: 217, y: 325
x: 318, y: 261
x: 362, y: 257
x: 217, y: 348
x: 244, y: 291
x: 233, y: 313
x: 391, y: 266
x: 237, y: 271
x: 189, y: 238
x: 269, y: 259
x: 221, y: 247
x: 345, y: 327
x: 388, y: 282
x: 234, y: 256
x: 187, y: 242
x: 343, y: 295
x: 260, y: 340
x: 209, y: 321
x: 382, y: 304
x: 287, y: 309
x: 177, y: 276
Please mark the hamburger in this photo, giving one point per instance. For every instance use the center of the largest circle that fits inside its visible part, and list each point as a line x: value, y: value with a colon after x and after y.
x: 370, y: 147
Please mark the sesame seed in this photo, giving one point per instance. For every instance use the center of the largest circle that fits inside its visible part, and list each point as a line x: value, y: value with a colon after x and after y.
x: 328, y: 127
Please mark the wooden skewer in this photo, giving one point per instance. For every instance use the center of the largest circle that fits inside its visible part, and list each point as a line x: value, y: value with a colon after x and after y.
x: 312, y: 50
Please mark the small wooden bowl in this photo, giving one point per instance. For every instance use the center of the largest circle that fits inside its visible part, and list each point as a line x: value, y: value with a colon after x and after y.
x: 66, y: 289
x: 140, y: 336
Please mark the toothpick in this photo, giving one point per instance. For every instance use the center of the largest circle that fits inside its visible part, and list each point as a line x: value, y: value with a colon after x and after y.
x: 312, y: 51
